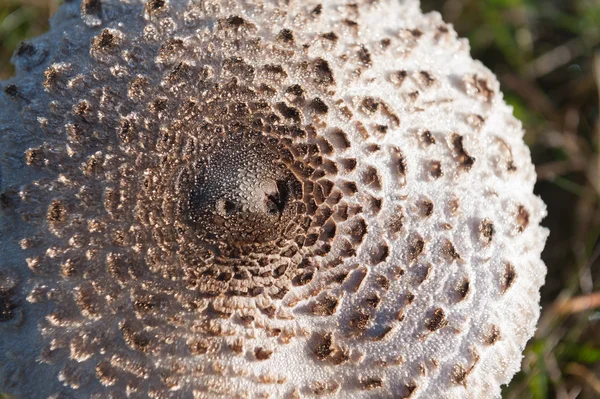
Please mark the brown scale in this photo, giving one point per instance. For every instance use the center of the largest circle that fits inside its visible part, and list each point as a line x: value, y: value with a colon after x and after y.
x: 434, y: 169
x: 262, y: 353
x: 373, y: 204
x: 349, y: 187
x: 380, y: 130
x: 396, y: 221
x: 369, y: 106
x: 522, y: 218
x: 383, y: 282
x: 410, y: 389
x: 486, y: 231
x: 57, y: 213
x: 357, y: 229
x: 449, y: 251
x: 460, y: 372
x: 385, y: 43
x: 105, y: 40
x: 324, y: 388
x: 465, y: 160
x: 331, y: 36
x: 373, y: 300
x: 479, y: 87
x: 326, y: 306
x: 359, y: 321
x: 388, y: 112
x: 52, y: 78
x: 364, y: 56
x: 380, y: 254
x: 462, y: 289
x: 322, y: 72
x: 286, y: 36
x: 426, y: 78
x: 91, y: 7
x: 422, y: 272
x: 12, y: 91
x: 324, y: 347
x: 339, y: 139
x: 371, y: 178
x: 492, y: 335
x: 318, y: 106
x: 428, y: 138
x: 508, y: 277
x: 416, y: 247
x: 8, y: 309
x: 371, y: 383
x: 426, y: 208
x: 398, y: 77
x: 437, y: 320
x: 35, y: 156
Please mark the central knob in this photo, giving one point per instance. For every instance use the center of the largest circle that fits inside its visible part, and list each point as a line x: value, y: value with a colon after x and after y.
x: 241, y: 192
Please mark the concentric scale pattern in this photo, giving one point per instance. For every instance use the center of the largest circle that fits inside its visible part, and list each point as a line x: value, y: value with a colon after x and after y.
x: 261, y: 199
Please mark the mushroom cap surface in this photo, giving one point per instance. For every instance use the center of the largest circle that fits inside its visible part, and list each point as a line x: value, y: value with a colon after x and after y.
x: 261, y: 198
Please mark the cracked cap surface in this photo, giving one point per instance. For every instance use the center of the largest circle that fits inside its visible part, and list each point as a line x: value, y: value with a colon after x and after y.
x: 261, y: 199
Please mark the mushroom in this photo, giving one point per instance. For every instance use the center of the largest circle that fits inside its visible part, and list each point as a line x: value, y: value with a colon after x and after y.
x: 261, y: 199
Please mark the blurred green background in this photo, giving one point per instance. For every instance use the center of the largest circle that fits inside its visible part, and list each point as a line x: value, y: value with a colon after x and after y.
x: 546, y: 54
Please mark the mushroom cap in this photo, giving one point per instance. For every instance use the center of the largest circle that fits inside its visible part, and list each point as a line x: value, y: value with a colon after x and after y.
x: 263, y: 198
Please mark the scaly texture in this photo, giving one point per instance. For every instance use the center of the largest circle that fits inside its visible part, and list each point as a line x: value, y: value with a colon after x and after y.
x: 261, y: 198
